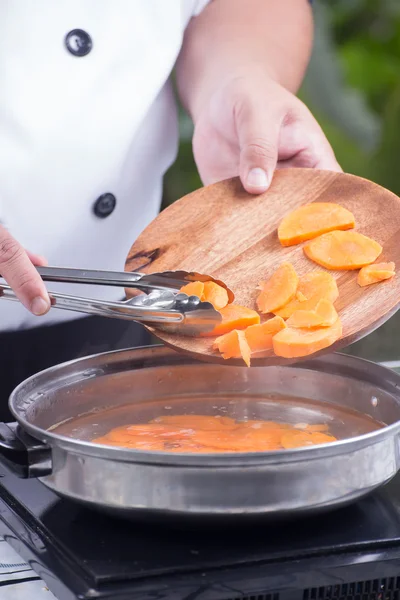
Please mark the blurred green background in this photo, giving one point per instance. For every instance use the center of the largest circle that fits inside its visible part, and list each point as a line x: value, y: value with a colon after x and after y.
x: 353, y: 88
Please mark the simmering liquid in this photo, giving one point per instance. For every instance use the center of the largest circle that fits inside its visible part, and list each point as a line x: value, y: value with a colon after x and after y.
x: 201, y: 434
x: 214, y: 424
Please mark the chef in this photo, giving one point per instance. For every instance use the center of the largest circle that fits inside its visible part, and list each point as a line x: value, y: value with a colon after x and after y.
x: 88, y: 127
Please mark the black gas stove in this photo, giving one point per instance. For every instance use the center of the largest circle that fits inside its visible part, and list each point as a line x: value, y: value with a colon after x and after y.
x: 351, y: 554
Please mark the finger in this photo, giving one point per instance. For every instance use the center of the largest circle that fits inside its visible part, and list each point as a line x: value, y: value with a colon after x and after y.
x: 303, y: 144
x: 19, y: 272
x: 37, y: 259
x: 258, y: 133
x: 300, y: 160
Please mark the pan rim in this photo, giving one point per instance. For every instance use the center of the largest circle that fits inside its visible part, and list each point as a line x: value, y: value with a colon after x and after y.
x: 218, y: 460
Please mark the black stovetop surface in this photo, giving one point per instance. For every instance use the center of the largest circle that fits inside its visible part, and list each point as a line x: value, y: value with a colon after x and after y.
x: 78, y: 551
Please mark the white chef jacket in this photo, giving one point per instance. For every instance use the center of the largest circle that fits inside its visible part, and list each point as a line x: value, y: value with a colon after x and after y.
x: 87, y: 119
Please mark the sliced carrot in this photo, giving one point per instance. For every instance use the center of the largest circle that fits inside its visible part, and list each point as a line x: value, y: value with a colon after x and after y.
x: 343, y: 250
x: 294, y: 343
x: 204, y: 422
x: 207, y: 292
x: 259, y: 337
x: 104, y: 440
x: 233, y: 345
x: 313, y: 286
x: 307, y: 222
x: 300, y: 296
x: 159, y: 430
x: 194, y: 288
x: 299, y: 439
x: 316, y: 428
x: 214, y: 293
x: 324, y: 315
x: 327, y: 312
x: 214, y: 434
x: 151, y: 445
x: 119, y: 434
x: 280, y: 288
x: 304, y: 319
x: 256, y: 424
x: 375, y: 273
x: 193, y: 448
x: 234, y: 317
x: 246, y: 440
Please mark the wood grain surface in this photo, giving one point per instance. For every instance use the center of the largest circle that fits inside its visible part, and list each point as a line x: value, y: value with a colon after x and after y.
x: 222, y: 231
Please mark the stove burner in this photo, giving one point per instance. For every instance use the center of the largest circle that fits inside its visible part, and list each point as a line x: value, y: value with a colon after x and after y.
x: 350, y: 554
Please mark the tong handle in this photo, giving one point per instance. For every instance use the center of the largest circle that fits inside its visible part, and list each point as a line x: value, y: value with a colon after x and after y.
x: 120, y: 310
x: 91, y: 276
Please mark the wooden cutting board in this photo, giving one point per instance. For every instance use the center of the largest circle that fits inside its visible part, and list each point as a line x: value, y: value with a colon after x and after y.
x: 225, y: 232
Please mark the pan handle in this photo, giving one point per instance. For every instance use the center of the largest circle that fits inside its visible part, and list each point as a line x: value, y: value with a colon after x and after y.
x: 24, y: 455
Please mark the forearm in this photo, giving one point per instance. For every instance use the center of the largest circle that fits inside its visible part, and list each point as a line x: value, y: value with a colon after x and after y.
x: 234, y: 37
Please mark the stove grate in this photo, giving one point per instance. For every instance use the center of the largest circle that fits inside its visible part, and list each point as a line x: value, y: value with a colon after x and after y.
x: 375, y: 589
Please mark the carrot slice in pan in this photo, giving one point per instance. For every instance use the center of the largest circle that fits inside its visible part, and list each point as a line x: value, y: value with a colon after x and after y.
x: 259, y: 337
x: 256, y: 424
x: 318, y: 428
x: 312, y: 220
x: 375, y: 273
x: 299, y: 439
x: 204, y: 422
x: 151, y: 445
x: 234, y: 317
x: 280, y: 288
x: 294, y: 343
x: 193, y: 448
x: 343, y: 250
x: 312, y: 288
x: 233, y: 345
x: 246, y: 440
x: 324, y: 315
x: 214, y: 434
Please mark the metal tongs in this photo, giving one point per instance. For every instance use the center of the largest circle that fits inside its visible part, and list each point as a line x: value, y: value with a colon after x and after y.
x: 162, y: 307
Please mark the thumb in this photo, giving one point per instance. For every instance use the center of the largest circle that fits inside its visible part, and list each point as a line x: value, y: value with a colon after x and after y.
x: 258, y: 135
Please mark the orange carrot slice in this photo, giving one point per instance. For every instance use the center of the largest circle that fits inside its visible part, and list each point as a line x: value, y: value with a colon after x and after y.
x: 324, y: 315
x: 214, y: 293
x: 159, y: 430
x: 343, y: 250
x: 214, y: 434
x: 312, y: 220
x: 300, y: 296
x: 204, y: 422
x: 256, y: 424
x: 259, y: 337
x: 318, y: 428
x: 327, y: 312
x: 233, y: 345
x: 234, y: 317
x: 246, y: 440
x: 278, y: 290
x: 375, y: 273
x: 193, y: 448
x: 313, y: 287
x: 294, y: 343
x: 207, y: 292
x: 194, y: 288
x: 299, y: 439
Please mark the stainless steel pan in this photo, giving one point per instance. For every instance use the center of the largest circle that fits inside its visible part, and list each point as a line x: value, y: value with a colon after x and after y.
x: 143, y: 382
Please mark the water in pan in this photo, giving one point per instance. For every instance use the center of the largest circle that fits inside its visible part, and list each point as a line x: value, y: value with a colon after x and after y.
x: 341, y: 422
